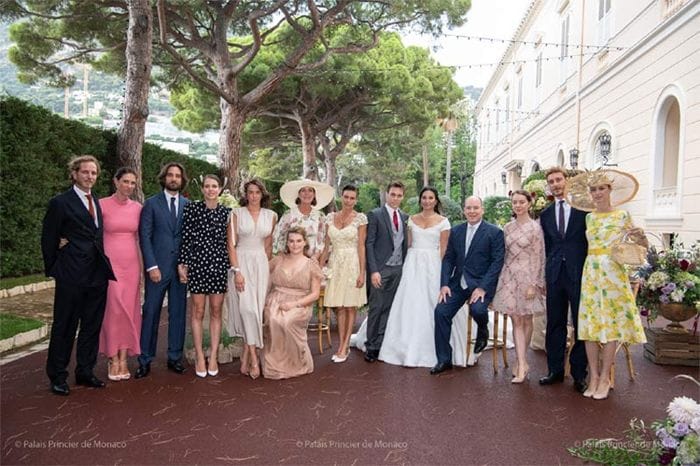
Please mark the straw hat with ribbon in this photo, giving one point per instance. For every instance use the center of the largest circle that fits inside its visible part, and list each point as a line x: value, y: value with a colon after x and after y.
x: 623, y: 185
x: 289, y: 192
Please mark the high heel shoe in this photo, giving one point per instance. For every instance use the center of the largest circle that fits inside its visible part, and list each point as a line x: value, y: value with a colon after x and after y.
x: 113, y: 378
x: 339, y: 359
x: 254, y: 372
x: 602, y: 391
x: 521, y: 379
x: 590, y: 391
x: 201, y: 374
x: 212, y: 373
x: 125, y: 375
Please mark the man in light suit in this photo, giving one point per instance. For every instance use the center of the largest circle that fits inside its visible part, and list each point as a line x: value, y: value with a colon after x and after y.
x: 73, y: 250
x: 385, y: 247
x: 566, y: 248
x: 470, y: 269
x: 160, y: 232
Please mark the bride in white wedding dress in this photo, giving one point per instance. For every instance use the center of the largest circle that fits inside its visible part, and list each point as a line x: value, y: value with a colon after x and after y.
x: 409, y: 339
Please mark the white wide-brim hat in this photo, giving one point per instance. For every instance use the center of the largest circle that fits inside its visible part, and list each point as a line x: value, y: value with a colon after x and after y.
x: 624, y: 187
x: 289, y: 192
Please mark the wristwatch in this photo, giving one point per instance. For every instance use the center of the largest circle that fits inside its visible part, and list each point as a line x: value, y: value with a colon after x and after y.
x: 235, y: 269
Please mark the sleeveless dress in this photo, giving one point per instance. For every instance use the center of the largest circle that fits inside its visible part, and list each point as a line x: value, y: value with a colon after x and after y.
x: 608, y: 311
x: 121, y: 327
x: 286, y: 350
x: 344, y: 265
x: 312, y: 223
x: 245, y: 309
x: 409, y: 339
x: 523, y: 267
x: 203, y: 247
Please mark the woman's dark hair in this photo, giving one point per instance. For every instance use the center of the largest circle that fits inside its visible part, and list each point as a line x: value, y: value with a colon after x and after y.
x: 438, y: 204
x: 123, y: 171
x: 298, y: 199
x: 349, y: 187
x: 264, y: 201
x: 164, y: 171
x: 211, y: 177
x: 299, y: 231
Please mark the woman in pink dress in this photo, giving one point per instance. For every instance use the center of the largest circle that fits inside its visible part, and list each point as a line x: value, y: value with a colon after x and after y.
x: 121, y: 326
x: 521, y: 284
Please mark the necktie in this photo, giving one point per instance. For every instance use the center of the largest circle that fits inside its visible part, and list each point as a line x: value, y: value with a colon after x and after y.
x: 470, y: 236
x: 396, y: 221
x: 562, y: 221
x: 91, y: 207
x: 173, y: 211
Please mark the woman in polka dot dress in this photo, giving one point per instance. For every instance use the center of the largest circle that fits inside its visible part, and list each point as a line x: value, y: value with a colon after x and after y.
x: 203, y: 265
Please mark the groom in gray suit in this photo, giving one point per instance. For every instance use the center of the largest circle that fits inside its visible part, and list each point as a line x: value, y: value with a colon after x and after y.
x: 386, y: 246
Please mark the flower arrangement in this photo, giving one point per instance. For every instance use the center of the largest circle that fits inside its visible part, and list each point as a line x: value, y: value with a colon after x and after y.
x: 541, y: 197
x: 669, y: 277
x: 226, y: 199
x: 679, y: 433
x: 674, y: 440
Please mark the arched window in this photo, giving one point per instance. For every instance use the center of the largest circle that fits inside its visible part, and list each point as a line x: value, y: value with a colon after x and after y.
x: 560, y: 158
x: 667, y: 154
x: 601, y: 146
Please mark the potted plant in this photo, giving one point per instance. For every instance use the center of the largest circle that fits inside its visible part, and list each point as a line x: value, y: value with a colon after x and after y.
x: 669, y: 284
x: 229, y: 347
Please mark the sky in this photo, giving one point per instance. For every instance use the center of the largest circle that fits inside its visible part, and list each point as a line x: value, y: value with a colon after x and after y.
x: 486, y: 18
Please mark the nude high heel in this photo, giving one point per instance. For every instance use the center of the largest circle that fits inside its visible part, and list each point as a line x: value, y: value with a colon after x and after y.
x: 602, y: 391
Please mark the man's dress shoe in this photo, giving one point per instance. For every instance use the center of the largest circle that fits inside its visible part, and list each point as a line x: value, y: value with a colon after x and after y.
x: 371, y: 356
x: 441, y: 367
x: 552, y: 378
x: 90, y: 381
x: 60, y: 389
x: 580, y: 386
x: 480, y: 344
x: 176, y: 366
x: 142, y: 371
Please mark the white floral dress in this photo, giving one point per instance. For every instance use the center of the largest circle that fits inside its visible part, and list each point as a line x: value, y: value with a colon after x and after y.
x: 312, y: 223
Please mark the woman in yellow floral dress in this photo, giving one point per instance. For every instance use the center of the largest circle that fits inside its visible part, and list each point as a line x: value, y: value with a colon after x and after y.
x: 608, y: 313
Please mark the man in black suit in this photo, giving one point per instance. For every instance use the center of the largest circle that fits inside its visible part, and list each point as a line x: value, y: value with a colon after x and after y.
x: 71, y: 243
x: 566, y: 248
x: 470, y: 269
x: 385, y: 247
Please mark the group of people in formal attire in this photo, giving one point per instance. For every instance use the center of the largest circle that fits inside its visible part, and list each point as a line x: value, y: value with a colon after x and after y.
x: 420, y: 277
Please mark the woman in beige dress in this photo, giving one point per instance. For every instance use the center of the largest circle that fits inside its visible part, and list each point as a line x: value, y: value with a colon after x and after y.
x: 250, y: 249
x: 295, y: 286
x: 345, y: 289
x: 520, y: 290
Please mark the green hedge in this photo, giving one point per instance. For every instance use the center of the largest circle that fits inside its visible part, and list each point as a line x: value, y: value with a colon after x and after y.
x: 35, y: 147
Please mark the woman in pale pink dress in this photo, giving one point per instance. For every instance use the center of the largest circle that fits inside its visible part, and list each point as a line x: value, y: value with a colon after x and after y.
x: 121, y: 327
x: 521, y: 284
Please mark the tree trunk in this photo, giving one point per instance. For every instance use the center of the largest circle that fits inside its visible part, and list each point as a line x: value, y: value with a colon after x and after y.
x: 132, y: 131
x: 308, y: 144
x: 426, y: 166
x: 448, y: 166
x: 230, y: 141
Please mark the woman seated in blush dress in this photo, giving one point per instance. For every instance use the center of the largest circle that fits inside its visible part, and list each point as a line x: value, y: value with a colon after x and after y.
x: 121, y: 327
x: 295, y: 286
x: 521, y: 285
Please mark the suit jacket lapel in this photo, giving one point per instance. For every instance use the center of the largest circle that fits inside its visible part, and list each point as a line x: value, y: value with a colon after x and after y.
x: 478, y: 234
x: 387, y: 222
x: 80, y: 211
x: 163, y: 201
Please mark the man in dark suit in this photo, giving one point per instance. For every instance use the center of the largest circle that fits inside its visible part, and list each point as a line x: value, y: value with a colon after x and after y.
x: 386, y: 246
x: 73, y: 250
x: 470, y: 268
x: 566, y: 248
x: 160, y: 233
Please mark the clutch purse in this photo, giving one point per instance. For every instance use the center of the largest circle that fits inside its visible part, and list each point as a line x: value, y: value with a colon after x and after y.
x: 627, y: 252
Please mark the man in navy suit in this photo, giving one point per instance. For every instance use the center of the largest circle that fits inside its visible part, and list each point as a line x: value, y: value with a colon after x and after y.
x: 470, y: 269
x: 566, y: 248
x: 385, y: 247
x: 73, y: 251
x: 160, y: 232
